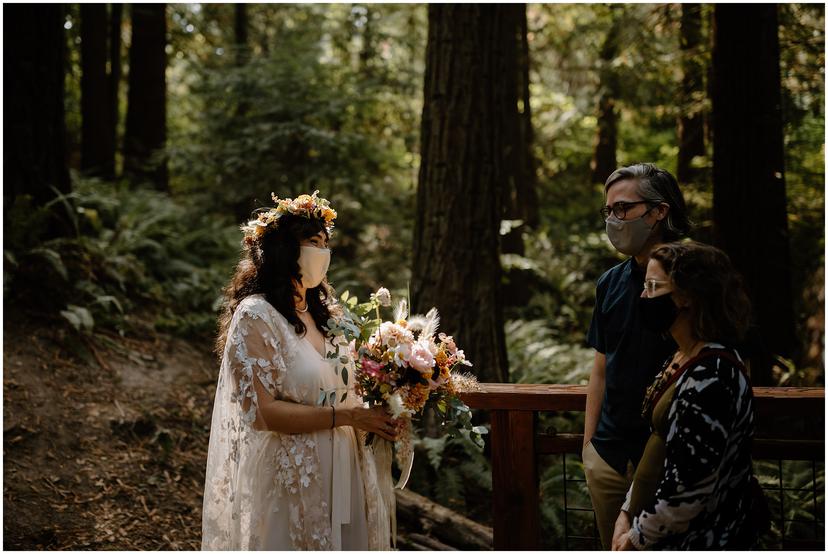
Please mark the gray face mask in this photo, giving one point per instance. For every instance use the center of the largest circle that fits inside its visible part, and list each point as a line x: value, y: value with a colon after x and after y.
x: 628, y: 236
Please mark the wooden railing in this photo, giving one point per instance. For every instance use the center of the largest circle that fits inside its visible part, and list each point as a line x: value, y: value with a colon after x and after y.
x: 516, y: 444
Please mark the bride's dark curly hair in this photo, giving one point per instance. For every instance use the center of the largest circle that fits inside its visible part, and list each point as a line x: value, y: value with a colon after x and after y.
x: 269, y: 266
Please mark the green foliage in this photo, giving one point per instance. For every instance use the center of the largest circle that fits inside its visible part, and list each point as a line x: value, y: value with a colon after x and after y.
x: 797, y: 498
x: 317, y: 112
x: 453, y: 471
x: 136, y: 251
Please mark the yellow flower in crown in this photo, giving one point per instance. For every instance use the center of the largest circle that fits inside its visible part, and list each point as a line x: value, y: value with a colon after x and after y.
x: 304, y: 205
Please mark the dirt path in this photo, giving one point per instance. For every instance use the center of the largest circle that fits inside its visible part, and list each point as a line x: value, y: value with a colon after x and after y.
x: 104, y: 441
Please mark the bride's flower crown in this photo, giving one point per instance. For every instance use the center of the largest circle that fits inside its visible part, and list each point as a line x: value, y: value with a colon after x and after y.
x: 304, y: 205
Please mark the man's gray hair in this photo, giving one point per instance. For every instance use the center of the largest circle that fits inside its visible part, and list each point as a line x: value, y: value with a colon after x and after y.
x: 657, y: 185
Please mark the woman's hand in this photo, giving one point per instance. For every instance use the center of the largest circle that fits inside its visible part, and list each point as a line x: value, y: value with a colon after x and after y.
x: 373, y: 420
x: 626, y: 543
x: 621, y: 533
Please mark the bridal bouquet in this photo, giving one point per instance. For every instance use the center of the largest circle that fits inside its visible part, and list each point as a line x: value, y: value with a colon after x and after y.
x: 406, y: 366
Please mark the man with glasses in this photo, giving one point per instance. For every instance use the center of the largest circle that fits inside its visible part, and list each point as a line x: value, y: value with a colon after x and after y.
x: 644, y: 208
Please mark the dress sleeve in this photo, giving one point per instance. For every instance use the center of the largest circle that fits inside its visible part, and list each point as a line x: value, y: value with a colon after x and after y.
x: 700, y: 421
x: 256, y: 360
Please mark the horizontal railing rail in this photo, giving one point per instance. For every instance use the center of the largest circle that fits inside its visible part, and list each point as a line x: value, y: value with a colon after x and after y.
x: 516, y: 443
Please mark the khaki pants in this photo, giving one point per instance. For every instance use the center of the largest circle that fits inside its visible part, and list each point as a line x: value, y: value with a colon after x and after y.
x: 607, y: 489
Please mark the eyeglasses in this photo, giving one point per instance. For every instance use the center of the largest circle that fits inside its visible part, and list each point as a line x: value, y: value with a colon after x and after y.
x: 652, y: 285
x: 619, y: 209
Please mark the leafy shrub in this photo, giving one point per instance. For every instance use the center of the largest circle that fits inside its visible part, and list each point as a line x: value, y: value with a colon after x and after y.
x: 136, y: 250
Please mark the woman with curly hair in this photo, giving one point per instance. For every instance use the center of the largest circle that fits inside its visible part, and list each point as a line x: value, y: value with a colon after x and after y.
x: 693, y: 487
x: 286, y: 466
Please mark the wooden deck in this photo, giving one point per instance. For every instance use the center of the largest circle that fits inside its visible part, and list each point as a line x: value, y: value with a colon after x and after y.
x: 516, y: 443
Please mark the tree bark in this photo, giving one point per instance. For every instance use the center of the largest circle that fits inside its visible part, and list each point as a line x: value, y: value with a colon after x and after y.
x: 463, y: 171
x: 367, y: 52
x: 34, y: 152
x: 514, y: 157
x: 606, y: 139
x: 146, y: 127
x: 527, y: 184
x: 115, y: 18
x: 691, y: 122
x: 240, y: 27
x: 749, y: 201
x: 97, y: 149
x: 520, y: 198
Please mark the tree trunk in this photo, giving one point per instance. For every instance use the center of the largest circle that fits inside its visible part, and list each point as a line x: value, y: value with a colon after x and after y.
x: 520, y: 201
x: 97, y: 150
x: 367, y: 52
x: 465, y: 151
x: 604, y: 160
x: 34, y: 152
x: 527, y: 184
x: 749, y: 202
x: 691, y: 122
x: 512, y: 90
x: 241, y: 34
x: 419, y: 517
x: 146, y: 127
x: 115, y: 18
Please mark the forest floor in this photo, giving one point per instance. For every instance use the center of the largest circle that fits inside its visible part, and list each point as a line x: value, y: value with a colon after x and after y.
x: 105, y: 444
x: 104, y: 439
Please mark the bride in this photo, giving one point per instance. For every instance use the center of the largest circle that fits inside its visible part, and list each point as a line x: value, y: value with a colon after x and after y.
x: 286, y: 467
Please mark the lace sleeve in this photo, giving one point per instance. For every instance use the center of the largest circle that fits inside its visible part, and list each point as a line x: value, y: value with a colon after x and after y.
x: 256, y: 362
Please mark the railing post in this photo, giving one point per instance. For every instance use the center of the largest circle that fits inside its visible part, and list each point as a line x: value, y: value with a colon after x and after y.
x: 515, y: 481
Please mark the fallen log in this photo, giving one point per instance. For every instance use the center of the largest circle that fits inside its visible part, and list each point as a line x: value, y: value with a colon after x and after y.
x: 424, y: 523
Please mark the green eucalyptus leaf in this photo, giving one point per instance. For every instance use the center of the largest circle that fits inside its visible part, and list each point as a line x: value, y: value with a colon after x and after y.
x: 345, y: 375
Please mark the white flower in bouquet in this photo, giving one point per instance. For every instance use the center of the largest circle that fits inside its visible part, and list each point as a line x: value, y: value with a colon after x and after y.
x: 392, y: 335
x: 402, y: 353
x: 383, y: 296
x: 396, y: 405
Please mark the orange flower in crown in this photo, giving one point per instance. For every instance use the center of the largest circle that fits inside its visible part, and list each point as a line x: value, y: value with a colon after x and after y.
x: 304, y: 205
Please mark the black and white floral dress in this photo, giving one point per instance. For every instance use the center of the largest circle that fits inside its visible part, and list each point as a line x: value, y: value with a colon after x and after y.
x: 702, y: 498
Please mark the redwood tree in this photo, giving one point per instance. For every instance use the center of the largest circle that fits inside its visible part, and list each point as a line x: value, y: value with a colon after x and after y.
x: 606, y: 139
x: 146, y: 128
x: 691, y: 122
x: 749, y: 202
x: 520, y: 201
x: 97, y: 142
x: 33, y: 115
x: 115, y: 18
x: 467, y: 111
x: 240, y: 28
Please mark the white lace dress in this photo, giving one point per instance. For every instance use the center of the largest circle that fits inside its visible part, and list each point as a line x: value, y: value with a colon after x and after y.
x: 271, y: 491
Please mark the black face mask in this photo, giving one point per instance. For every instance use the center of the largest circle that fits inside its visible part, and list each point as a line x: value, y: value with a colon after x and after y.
x: 659, y: 313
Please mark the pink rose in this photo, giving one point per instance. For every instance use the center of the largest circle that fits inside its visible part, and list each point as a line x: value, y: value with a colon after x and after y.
x: 421, y: 358
x: 372, y: 368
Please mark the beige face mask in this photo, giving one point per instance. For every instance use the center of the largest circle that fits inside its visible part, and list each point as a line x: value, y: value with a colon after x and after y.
x: 628, y: 236
x: 313, y: 264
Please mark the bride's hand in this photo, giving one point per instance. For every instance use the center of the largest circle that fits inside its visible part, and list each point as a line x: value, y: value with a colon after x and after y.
x: 373, y: 420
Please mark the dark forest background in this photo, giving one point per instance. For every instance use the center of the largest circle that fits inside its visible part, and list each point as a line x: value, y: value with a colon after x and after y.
x: 464, y: 148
